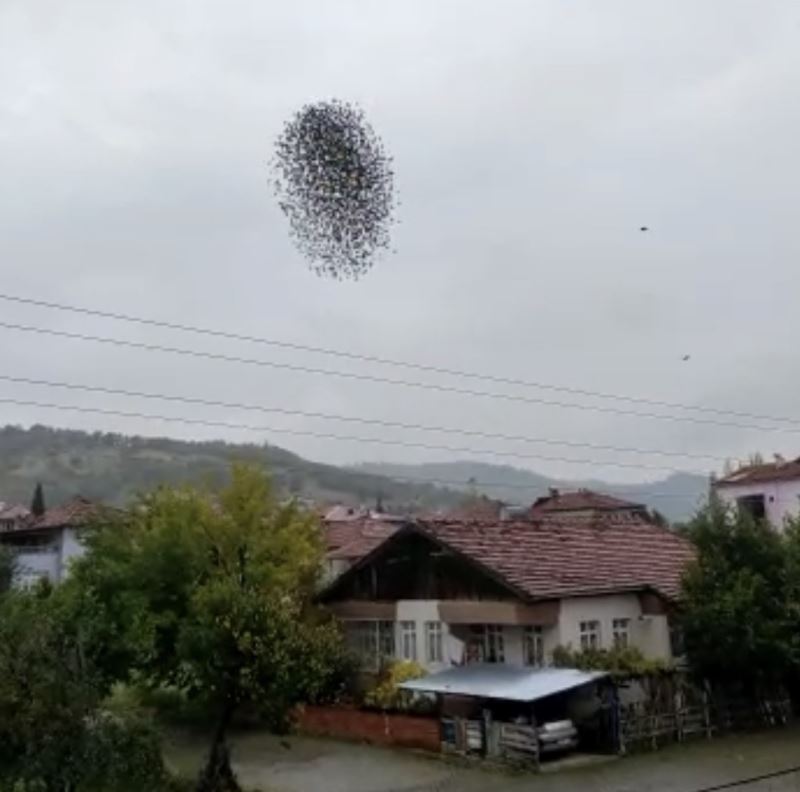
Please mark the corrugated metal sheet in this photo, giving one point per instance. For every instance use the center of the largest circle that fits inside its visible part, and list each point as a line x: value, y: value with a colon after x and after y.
x: 511, y: 683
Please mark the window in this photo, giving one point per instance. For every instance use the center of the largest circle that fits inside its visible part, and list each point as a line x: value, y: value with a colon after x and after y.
x: 371, y: 641
x: 486, y: 644
x: 620, y: 629
x: 433, y: 642
x: 408, y: 639
x: 753, y: 505
x: 590, y: 634
x: 533, y: 647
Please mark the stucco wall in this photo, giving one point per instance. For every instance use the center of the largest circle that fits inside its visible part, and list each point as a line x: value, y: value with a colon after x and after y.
x: 648, y: 633
x: 71, y: 548
x: 781, y: 498
x: 33, y: 565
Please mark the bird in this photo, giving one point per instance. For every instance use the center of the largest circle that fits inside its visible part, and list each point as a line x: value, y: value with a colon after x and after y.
x: 644, y: 228
x: 686, y: 357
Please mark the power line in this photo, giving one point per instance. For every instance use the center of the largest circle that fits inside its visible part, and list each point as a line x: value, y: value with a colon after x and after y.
x: 203, y: 354
x: 349, y: 418
x: 295, y: 346
x: 421, y: 480
x: 751, y: 780
x: 331, y: 436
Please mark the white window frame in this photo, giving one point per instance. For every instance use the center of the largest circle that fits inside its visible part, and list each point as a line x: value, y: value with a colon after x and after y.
x: 489, y: 641
x: 434, y: 642
x: 533, y: 647
x: 590, y: 637
x: 621, y: 632
x: 372, y: 641
x: 408, y: 640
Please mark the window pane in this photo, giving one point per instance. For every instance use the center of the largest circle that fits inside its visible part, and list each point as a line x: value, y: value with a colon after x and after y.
x: 533, y: 647
x: 433, y: 642
x: 408, y: 631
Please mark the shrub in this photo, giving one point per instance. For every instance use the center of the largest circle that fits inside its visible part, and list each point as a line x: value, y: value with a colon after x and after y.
x: 386, y: 695
x: 627, y: 661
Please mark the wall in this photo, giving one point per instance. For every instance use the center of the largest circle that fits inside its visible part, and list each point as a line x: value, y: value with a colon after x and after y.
x: 37, y: 564
x: 71, y: 547
x: 378, y: 728
x: 648, y: 633
x: 782, y: 498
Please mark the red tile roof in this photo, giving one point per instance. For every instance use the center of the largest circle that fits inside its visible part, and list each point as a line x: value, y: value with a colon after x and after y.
x: 581, y: 500
x: 755, y: 474
x: 72, y: 514
x: 572, y: 557
x: 353, y: 539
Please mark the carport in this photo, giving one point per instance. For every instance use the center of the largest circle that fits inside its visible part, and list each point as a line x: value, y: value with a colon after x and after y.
x: 522, y: 714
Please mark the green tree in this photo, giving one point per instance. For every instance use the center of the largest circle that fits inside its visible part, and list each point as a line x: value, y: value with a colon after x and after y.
x: 37, y: 503
x: 8, y: 568
x: 54, y: 734
x: 735, y: 612
x: 212, y: 593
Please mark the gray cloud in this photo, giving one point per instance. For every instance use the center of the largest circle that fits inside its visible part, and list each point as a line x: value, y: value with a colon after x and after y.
x: 531, y: 142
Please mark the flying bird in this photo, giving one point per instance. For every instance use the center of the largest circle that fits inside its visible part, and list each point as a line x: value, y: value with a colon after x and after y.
x: 644, y: 228
x: 686, y: 357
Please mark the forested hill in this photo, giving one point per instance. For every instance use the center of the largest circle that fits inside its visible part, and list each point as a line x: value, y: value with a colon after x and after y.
x: 112, y: 467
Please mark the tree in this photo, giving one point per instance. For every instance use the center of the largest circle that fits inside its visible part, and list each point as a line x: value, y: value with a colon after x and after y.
x: 54, y: 734
x: 8, y: 568
x: 37, y: 504
x: 735, y: 614
x: 212, y: 593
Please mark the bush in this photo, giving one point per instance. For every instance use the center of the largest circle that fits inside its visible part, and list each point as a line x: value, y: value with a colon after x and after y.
x: 386, y: 695
x: 627, y: 661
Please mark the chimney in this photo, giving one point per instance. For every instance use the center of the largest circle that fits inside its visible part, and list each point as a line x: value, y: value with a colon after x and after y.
x: 554, y: 493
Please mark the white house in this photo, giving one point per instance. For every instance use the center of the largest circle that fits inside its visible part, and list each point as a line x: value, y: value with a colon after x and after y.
x: 770, y: 490
x: 45, y: 545
x: 449, y: 592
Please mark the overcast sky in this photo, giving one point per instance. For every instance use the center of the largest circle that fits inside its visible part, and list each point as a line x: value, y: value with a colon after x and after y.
x: 531, y: 141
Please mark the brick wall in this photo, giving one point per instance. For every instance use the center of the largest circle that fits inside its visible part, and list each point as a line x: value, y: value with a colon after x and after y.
x: 378, y: 728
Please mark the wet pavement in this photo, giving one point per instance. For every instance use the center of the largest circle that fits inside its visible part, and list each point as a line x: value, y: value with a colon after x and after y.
x: 299, y: 764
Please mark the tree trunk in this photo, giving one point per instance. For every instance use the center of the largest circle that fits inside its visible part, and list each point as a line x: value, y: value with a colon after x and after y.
x: 218, y: 775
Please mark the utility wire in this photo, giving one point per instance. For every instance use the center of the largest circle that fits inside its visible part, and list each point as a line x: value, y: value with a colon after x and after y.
x: 73, y: 386
x: 752, y: 780
x: 204, y: 354
x: 420, y: 480
x: 331, y: 436
x: 497, y: 379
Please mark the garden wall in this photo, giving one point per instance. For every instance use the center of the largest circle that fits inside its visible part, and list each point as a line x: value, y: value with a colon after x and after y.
x: 378, y: 728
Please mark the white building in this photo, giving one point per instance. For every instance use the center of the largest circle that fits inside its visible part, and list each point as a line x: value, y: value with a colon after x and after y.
x: 446, y: 593
x: 770, y: 490
x: 45, y: 545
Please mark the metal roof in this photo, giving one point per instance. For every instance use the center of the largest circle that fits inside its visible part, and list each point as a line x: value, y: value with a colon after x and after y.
x: 495, y: 681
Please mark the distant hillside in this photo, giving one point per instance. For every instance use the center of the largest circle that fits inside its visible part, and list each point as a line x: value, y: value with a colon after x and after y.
x: 676, y: 496
x: 113, y: 467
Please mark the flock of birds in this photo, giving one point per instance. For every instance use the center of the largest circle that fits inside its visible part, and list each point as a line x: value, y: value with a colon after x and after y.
x: 335, y: 184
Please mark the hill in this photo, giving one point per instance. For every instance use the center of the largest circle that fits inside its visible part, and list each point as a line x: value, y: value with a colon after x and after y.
x: 676, y: 496
x: 113, y: 467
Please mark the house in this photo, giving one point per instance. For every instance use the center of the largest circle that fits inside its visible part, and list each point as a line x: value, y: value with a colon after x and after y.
x: 45, y: 545
x: 583, y: 501
x: 447, y: 592
x: 349, y: 540
x: 767, y: 490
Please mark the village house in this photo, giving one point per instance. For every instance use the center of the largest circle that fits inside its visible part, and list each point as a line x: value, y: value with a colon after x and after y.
x: 766, y: 491
x: 44, y: 545
x: 448, y: 592
x: 583, y: 501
